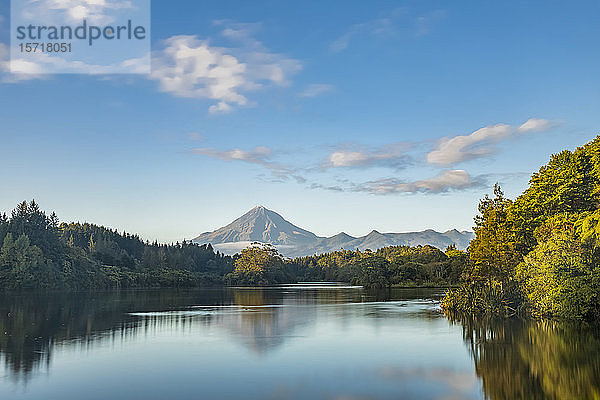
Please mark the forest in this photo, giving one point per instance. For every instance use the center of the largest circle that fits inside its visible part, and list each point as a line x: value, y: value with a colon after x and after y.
x: 539, y: 254
x: 420, y: 266
x: 39, y: 252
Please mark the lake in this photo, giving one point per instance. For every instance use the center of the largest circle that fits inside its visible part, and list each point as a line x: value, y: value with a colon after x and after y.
x: 305, y: 341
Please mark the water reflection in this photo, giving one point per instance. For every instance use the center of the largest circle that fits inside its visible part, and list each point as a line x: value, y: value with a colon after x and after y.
x: 286, y: 342
x: 518, y: 359
x: 33, y: 324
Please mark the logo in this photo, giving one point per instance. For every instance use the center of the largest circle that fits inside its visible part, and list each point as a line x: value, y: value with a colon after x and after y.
x: 80, y: 36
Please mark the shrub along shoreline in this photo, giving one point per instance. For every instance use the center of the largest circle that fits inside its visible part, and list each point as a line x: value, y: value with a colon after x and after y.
x: 538, y: 255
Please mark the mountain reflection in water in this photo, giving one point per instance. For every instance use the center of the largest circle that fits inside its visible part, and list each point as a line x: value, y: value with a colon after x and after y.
x: 296, y: 341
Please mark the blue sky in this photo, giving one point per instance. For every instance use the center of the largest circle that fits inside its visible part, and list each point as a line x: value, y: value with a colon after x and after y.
x: 340, y: 115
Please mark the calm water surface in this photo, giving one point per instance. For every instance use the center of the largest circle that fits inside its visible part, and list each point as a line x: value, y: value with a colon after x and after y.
x: 291, y: 342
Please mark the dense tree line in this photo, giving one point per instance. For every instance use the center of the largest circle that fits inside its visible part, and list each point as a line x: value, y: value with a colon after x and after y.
x: 38, y: 252
x: 539, y: 254
x: 395, y: 265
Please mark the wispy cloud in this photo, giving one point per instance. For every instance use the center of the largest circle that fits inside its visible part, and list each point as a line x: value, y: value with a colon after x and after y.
x: 392, y: 24
x: 99, y: 12
x: 481, y: 143
x: 316, y: 89
x: 445, y: 181
x: 345, y: 163
x: 392, y: 156
x: 260, y: 155
x: 536, y: 125
x: 21, y: 69
x: 220, y: 108
x: 424, y: 23
x: 241, y: 32
x: 376, y: 27
x: 44, y: 64
x: 331, y: 188
x: 190, y: 67
x: 195, y: 136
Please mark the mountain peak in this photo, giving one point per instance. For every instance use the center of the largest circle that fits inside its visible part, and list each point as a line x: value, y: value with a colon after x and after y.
x: 342, y: 236
x: 259, y: 225
x: 455, y: 231
x: 263, y: 225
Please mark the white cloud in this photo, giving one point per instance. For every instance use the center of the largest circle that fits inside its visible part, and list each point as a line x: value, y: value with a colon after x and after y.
x: 29, y: 69
x: 391, y: 156
x: 20, y: 69
x: 536, y: 125
x: 443, y: 182
x: 481, y: 142
x: 97, y: 12
x: 347, y: 158
x: 192, y: 68
x: 260, y: 155
x: 188, y: 67
x: 220, y: 108
x: 316, y: 89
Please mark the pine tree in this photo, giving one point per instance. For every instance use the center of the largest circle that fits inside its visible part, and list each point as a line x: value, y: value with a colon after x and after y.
x: 91, y: 244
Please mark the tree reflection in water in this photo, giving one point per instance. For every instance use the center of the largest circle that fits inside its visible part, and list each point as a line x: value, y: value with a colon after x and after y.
x: 518, y: 359
x: 33, y: 324
x: 513, y: 359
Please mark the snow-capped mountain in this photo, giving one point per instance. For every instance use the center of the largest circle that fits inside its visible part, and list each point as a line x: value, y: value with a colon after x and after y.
x: 266, y: 226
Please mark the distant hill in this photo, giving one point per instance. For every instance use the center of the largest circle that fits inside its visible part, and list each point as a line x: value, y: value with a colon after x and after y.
x: 266, y: 226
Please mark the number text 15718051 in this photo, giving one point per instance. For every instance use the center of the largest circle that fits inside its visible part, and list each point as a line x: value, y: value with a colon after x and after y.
x: 45, y: 47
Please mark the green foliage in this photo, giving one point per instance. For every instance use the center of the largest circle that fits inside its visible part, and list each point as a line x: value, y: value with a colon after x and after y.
x: 457, y: 262
x: 557, y: 277
x: 19, y: 261
x: 394, y: 265
x: 540, y: 253
x: 49, y: 255
x: 46, y: 255
x: 569, y: 183
x: 493, y: 250
x: 259, y: 265
x: 489, y: 286
x: 484, y: 298
x: 372, y: 271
